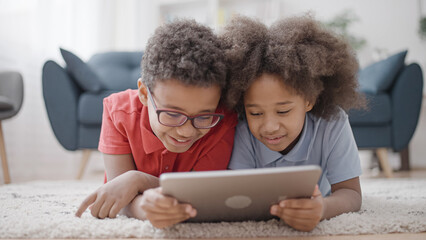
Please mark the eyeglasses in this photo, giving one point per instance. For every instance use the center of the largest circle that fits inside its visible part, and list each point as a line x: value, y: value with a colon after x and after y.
x: 172, y: 118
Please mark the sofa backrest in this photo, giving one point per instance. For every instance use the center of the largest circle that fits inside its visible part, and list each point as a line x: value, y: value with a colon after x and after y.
x: 380, y: 76
x: 117, y: 70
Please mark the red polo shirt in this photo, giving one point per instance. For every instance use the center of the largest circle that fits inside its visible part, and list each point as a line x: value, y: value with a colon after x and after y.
x: 126, y: 129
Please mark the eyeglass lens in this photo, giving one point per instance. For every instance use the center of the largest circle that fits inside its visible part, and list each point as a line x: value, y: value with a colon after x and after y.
x: 178, y: 119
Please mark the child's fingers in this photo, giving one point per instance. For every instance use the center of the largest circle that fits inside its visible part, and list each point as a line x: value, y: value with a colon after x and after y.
x: 299, y: 213
x: 105, y: 209
x: 96, y: 206
x: 300, y: 224
x: 166, y: 202
x: 317, y: 192
x: 115, y: 209
x: 154, y: 196
x: 182, y: 211
x: 154, y: 217
x: 85, y: 204
x: 167, y: 222
x: 298, y: 203
x: 179, y: 209
x: 276, y: 210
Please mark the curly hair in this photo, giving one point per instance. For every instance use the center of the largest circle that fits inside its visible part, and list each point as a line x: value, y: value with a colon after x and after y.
x: 186, y: 51
x: 316, y: 63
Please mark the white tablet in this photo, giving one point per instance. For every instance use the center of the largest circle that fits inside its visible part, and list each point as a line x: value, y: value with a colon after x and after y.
x: 239, y: 195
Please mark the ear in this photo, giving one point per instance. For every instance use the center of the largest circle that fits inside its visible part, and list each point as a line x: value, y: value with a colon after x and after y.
x: 308, y: 105
x: 142, y: 92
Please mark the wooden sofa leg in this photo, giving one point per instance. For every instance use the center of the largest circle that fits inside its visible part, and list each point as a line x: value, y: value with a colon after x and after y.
x: 382, y: 154
x: 6, y: 175
x: 84, y: 160
x: 405, y: 159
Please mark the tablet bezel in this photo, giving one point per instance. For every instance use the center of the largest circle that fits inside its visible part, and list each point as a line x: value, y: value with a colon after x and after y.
x: 210, y: 191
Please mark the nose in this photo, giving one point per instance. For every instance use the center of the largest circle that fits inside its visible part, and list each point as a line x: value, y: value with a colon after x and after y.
x: 186, y: 130
x: 270, y: 125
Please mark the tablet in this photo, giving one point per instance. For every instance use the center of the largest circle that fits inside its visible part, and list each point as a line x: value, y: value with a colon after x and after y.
x: 239, y: 195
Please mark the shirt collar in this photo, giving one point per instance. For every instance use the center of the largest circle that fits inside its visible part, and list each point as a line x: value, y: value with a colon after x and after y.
x: 299, y: 153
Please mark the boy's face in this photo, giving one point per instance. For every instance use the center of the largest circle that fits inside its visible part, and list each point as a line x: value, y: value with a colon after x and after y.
x: 275, y: 113
x: 190, y: 100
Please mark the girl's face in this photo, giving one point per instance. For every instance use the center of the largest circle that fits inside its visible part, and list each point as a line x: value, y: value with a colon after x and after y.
x: 275, y: 113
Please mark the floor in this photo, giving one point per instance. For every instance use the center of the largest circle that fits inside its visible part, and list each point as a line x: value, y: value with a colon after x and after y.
x: 421, y: 236
x: 95, y: 172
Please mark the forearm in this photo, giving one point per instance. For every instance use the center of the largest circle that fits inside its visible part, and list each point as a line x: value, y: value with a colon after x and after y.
x: 143, y: 182
x: 341, y: 201
x: 134, y: 210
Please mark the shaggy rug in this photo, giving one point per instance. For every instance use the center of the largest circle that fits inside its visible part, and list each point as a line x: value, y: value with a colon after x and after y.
x: 45, y: 209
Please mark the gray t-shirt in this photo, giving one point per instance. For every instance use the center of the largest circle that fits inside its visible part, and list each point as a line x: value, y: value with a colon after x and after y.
x: 328, y: 144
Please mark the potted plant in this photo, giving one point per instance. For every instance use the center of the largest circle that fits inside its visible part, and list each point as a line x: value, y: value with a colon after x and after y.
x: 340, y: 24
x: 422, y: 28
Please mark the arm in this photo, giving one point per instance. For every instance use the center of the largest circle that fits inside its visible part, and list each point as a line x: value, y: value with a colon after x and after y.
x: 124, y: 183
x: 346, y: 197
x: 305, y: 214
x: 343, y: 169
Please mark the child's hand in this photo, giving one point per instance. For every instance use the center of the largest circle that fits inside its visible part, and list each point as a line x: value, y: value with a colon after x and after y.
x: 301, y: 214
x: 163, y: 211
x: 110, y: 198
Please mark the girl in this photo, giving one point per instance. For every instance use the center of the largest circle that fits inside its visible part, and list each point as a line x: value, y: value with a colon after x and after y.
x: 291, y: 84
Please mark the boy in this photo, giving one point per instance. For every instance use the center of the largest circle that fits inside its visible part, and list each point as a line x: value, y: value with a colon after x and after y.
x: 173, y: 122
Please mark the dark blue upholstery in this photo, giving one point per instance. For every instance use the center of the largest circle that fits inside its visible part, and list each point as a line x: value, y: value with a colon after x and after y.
x: 117, y: 70
x: 378, y: 77
x: 82, y: 73
x: 75, y: 112
x: 393, y: 113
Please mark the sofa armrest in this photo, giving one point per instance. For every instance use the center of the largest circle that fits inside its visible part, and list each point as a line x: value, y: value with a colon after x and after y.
x: 61, y: 95
x: 407, y: 96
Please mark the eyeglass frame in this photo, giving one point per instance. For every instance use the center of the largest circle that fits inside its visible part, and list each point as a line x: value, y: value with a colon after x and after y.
x: 191, y: 118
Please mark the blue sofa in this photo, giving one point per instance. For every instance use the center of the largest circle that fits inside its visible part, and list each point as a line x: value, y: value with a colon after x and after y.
x: 394, y: 92
x: 73, y: 95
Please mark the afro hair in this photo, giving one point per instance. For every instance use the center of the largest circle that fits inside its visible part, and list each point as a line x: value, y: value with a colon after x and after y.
x: 186, y: 51
x: 315, y: 62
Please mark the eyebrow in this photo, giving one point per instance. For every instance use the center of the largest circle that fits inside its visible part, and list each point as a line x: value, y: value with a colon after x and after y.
x: 172, y: 107
x: 183, y: 110
x: 278, y: 103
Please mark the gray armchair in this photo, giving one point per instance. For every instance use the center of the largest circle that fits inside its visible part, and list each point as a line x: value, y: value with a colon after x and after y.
x: 74, y: 95
x: 395, y: 92
x: 11, y: 98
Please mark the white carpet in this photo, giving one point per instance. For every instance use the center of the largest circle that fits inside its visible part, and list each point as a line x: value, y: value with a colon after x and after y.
x: 46, y: 210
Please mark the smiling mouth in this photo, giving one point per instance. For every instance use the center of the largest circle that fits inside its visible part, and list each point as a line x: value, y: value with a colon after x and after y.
x: 180, y: 142
x: 273, y: 140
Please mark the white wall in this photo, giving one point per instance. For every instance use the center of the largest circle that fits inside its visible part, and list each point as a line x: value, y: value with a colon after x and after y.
x: 32, y: 30
x: 387, y: 24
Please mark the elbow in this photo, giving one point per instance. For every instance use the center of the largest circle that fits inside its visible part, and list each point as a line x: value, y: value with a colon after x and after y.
x: 357, y: 202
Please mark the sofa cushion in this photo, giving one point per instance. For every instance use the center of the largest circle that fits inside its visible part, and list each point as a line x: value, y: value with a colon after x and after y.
x: 90, y: 107
x: 82, y: 73
x: 5, y: 103
x: 117, y: 70
x: 378, y: 113
x: 379, y: 76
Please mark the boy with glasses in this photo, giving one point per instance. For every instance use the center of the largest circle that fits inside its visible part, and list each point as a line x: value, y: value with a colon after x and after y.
x: 172, y: 123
